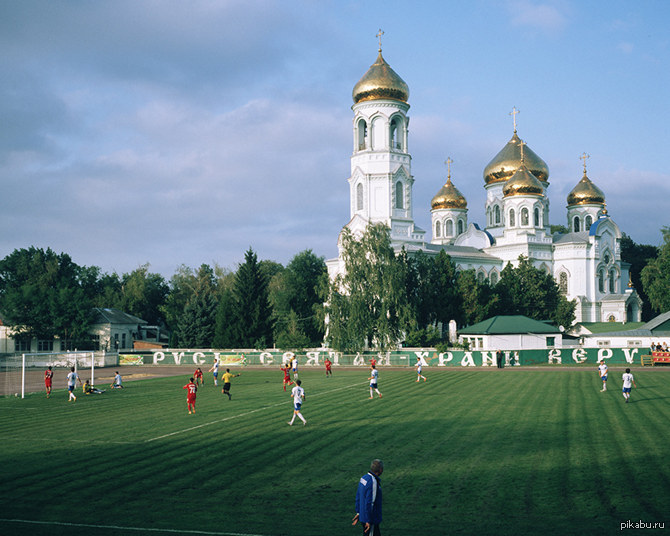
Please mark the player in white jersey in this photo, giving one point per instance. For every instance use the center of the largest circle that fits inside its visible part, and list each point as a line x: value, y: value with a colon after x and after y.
x: 418, y: 369
x: 602, y: 370
x: 298, y: 394
x: 72, y: 378
x: 628, y: 382
x: 215, y: 371
x: 374, y: 375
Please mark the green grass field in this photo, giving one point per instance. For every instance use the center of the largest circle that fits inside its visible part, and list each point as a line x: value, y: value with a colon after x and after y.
x: 523, y: 451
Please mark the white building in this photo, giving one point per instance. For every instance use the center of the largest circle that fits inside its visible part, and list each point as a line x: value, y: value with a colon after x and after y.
x: 586, y: 261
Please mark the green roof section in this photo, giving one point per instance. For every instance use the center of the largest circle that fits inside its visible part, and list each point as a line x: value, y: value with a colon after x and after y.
x: 607, y: 327
x: 507, y: 325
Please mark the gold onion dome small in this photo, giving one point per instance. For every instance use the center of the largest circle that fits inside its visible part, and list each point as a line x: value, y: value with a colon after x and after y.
x: 508, y: 160
x: 380, y: 82
x: 586, y: 193
x: 448, y: 197
x: 523, y: 182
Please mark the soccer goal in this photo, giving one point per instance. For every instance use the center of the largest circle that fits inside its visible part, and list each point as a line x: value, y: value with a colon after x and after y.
x: 24, y: 373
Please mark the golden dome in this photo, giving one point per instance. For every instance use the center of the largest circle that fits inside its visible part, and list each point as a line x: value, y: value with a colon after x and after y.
x: 380, y: 82
x: 523, y: 182
x: 586, y: 193
x: 448, y: 197
x: 508, y: 160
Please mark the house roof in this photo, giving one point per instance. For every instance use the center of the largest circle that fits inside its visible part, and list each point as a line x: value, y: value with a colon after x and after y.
x: 608, y: 327
x: 508, y: 324
x: 656, y: 327
x: 114, y: 316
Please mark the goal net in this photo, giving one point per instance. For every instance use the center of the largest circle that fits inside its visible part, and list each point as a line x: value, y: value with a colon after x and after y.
x: 24, y: 373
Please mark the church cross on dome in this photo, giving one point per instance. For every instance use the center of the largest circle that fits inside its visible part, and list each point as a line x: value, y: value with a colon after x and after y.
x: 379, y: 35
x: 448, y: 162
x: 584, y: 157
x: 513, y: 114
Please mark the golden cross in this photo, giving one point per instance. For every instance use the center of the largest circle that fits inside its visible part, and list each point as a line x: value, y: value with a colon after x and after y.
x: 584, y: 157
x: 513, y: 114
x: 448, y: 161
x: 379, y: 35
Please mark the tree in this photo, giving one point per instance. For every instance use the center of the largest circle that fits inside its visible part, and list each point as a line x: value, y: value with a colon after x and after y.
x: 253, y: 307
x: 143, y: 294
x: 195, y: 328
x: 226, y: 330
x: 46, y: 295
x: 639, y: 256
x: 369, y: 300
x: 656, y: 276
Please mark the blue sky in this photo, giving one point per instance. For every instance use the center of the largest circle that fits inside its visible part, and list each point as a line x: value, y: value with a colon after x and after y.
x: 171, y: 132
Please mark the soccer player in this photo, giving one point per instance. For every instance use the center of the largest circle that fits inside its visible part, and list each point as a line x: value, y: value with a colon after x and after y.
x: 90, y: 390
x: 287, y: 374
x: 48, y: 379
x: 198, y: 376
x: 192, y: 389
x: 72, y: 378
x: 226, y: 382
x: 294, y: 365
x: 215, y: 372
x: 329, y: 370
x: 298, y: 394
x: 602, y: 370
x: 628, y: 381
x: 118, y: 382
x: 369, y: 500
x: 374, y: 375
x: 418, y: 369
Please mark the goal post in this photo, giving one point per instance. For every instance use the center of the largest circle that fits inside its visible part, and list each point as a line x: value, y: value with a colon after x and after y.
x: 24, y: 373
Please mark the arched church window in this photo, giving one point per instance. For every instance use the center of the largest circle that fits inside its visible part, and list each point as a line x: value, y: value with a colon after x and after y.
x: 449, y: 230
x: 588, y: 221
x: 512, y: 223
x: 494, y: 278
x: 524, y: 216
x: 601, y: 281
x: 496, y: 212
x: 575, y: 224
x: 359, y: 196
x: 438, y: 229
x: 395, y: 135
x: 480, y: 277
x: 606, y: 258
x: 362, y: 134
x: 563, y: 283
x: 612, y: 281
x: 536, y: 217
x: 399, y: 197
x: 460, y: 227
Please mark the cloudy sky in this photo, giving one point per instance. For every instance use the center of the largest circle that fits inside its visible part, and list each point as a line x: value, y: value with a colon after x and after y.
x: 185, y: 132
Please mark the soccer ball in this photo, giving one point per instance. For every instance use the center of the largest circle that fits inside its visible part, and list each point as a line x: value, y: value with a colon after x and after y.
x: 16, y: 395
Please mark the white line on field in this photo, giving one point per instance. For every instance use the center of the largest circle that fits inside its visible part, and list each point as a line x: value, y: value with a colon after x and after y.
x: 245, y: 414
x: 116, y: 527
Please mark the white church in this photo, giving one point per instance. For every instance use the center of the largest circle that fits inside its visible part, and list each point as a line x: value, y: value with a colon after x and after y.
x: 586, y: 261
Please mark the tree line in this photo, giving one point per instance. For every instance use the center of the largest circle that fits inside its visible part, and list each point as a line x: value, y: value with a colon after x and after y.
x: 382, y: 298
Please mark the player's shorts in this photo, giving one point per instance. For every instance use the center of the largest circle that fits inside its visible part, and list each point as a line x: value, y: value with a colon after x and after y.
x: 626, y: 389
x: 70, y: 388
x: 373, y: 386
x: 418, y: 370
x: 604, y: 378
x: 297, y: 407
x: 295, y: 370
x: 216, y: 374
x: 47, y: 383
x: 226, y: 387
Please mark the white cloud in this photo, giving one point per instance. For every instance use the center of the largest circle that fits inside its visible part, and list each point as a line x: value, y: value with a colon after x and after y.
x: 538, y: 16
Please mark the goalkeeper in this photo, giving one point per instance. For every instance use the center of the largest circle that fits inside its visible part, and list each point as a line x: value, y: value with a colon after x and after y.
x: 90, y: 390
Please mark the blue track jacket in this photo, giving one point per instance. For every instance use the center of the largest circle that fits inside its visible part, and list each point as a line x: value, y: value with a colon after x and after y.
x: 369, y: 500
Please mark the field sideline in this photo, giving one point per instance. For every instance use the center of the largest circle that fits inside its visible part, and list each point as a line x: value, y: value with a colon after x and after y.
x: 517, y: 451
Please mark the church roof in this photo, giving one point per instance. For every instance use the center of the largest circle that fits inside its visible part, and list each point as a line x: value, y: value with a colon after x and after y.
x: 114, y: 316
x: 508, y: 160
x: 380, y: 82
x: 507, y: 325
x: 523, y: 182
x: 586, y: 193
x: 571, y: 238
x: 448, y: 197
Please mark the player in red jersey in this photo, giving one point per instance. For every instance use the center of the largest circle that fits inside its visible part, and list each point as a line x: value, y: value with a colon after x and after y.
x: 192, y: 388
x: 286, y: 368
x: 373, y: 362
x: 329, y: 370
x: 198, y: 377
x: 48, y: 378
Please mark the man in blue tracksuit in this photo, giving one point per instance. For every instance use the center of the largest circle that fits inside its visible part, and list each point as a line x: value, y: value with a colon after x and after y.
x: 369, y: 500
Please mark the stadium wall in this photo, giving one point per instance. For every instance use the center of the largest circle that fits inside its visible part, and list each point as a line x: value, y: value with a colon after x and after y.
x: 404, y: 358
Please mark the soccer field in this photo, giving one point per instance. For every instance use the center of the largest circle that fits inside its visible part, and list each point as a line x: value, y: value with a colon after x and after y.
x: 513, y: 451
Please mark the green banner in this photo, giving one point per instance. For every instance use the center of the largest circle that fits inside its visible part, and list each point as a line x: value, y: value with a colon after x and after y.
x: 406, y: 358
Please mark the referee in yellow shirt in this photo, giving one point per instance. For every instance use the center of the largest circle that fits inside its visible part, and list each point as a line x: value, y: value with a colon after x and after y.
x: 226, y: 382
